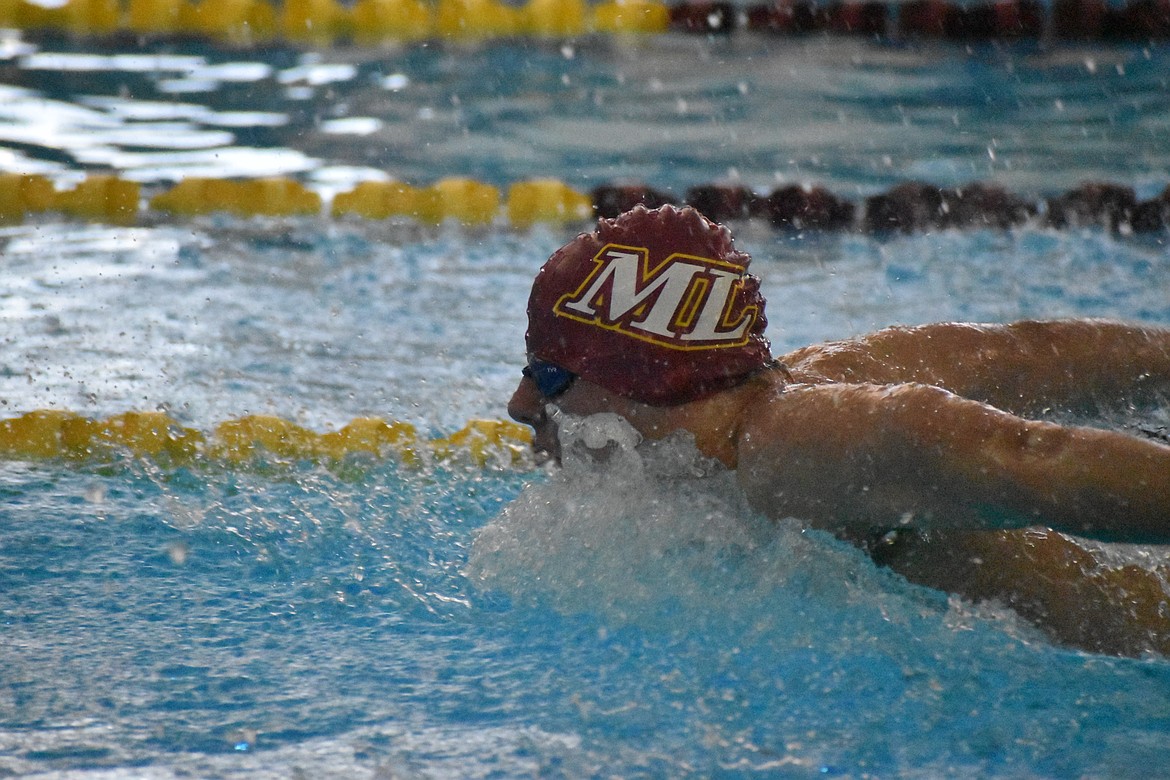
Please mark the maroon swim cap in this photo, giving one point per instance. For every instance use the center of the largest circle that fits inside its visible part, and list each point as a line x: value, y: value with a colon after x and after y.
x: 656, y: 306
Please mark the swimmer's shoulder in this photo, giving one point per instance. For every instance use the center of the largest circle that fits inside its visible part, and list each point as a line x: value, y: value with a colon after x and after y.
x: 805, y: 420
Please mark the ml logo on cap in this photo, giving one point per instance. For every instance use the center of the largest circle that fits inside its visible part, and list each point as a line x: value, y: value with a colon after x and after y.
x: 685, y: 302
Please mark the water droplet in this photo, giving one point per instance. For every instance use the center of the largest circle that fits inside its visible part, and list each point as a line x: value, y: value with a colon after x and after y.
x: 395, y: 82
x: 178, y: 552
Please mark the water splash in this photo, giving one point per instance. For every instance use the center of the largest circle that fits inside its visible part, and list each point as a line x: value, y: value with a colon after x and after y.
x: 640, y: 531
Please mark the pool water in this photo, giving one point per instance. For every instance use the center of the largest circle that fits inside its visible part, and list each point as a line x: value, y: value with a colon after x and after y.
x: 625, y: 618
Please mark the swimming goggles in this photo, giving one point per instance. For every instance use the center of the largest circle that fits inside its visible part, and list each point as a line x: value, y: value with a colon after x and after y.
x: 551, y: 380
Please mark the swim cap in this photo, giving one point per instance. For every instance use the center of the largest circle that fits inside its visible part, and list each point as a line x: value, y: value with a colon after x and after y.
x: 654, y: 305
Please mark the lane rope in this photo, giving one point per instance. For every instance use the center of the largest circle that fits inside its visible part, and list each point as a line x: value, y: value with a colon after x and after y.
x: 904, y: 208
x: 51, y: 434
x: 243, y: 23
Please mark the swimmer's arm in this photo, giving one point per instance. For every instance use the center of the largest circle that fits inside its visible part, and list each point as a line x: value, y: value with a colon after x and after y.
x: 1057, y: 583
x: 1024, y: 367
x: 858, y: 457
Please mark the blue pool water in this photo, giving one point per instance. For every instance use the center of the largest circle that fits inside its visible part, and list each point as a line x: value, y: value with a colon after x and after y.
x: 447, y: 620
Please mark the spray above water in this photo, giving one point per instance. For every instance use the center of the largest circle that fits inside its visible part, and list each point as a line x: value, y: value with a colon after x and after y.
x: 647, y: 531
x: 615, y: 525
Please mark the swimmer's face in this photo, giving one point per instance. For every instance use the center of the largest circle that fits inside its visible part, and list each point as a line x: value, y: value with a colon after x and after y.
x: 528, y: 407
x: 581, y: 399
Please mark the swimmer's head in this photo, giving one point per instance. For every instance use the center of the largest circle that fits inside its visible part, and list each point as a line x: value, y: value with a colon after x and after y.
x: 654, y: 305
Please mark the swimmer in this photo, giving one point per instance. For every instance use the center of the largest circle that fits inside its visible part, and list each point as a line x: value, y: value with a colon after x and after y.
x: 917, y: 444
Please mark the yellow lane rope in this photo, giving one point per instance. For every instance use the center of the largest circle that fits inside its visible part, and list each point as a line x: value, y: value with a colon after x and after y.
x: 65, y: 435
x: 326, y: 22
x: 906, y: 207
x: 111, y: 200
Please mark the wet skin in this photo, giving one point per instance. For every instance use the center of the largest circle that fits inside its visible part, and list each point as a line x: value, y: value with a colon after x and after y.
x: 917, y: 428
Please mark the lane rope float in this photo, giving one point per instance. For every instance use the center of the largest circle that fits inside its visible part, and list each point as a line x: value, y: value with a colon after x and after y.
x: 904, y: 208
x: 242, y: 23
x: 51, y: 434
